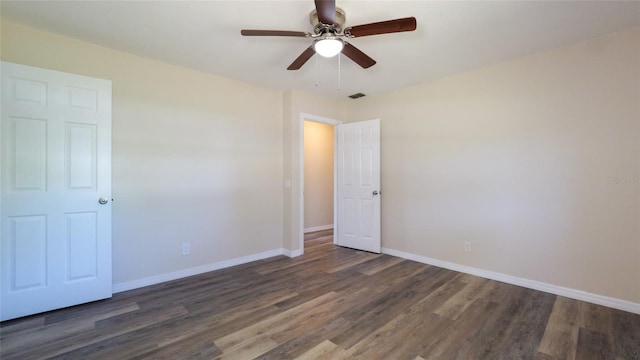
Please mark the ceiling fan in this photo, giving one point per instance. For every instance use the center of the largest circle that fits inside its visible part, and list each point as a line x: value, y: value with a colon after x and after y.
x: 328, y: 22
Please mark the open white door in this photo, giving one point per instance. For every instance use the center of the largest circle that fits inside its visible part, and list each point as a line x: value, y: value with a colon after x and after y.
x: 358, y: 185
x: 55, y: 206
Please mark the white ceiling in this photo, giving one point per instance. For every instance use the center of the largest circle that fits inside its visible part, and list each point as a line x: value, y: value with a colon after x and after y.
x: 452, y: 36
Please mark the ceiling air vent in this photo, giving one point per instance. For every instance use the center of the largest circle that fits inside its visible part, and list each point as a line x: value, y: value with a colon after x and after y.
x: 357, y: 95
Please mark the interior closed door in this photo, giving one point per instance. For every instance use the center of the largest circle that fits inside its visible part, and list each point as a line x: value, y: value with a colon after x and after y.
x: 358, y: 181
x: 55, y: 190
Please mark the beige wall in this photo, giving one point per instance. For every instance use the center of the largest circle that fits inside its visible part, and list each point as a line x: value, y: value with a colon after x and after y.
x: 318, y: 174
x: 192, y: 161
x: 536, y: 162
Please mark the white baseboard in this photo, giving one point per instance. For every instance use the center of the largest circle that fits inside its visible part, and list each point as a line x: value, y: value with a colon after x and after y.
x: 514, y: 280
x: 156, y: 279
x: 292, y: 254
x: 318, y: 228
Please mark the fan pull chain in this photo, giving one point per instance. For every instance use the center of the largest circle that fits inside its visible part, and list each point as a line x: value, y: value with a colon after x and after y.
x: 316, y: 57
x: 339, y: 72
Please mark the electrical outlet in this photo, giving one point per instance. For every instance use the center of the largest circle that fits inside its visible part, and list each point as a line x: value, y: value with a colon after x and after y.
x: 467, y: 246
x: 186, y: 248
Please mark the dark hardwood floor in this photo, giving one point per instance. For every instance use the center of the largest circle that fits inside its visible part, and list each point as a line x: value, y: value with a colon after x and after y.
x: 331, y: 303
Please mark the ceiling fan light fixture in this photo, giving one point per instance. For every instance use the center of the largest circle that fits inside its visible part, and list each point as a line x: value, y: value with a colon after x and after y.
x: 328, y: 46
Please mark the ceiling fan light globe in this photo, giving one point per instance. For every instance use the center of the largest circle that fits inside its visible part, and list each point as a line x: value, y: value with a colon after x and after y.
x: 328, y: 47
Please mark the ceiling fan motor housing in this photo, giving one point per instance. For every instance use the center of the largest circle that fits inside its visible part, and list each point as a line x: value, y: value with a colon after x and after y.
x: 335, y: 28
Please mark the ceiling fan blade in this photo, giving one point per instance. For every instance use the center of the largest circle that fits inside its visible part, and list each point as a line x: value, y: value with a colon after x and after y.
x: 326, y: 11
x: 383, y: 27
x: 245, y: 32
x: 302, y: 59
x: 357, y: 56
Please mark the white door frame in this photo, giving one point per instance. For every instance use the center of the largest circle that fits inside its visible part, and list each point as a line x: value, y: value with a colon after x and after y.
x: 334, y: 123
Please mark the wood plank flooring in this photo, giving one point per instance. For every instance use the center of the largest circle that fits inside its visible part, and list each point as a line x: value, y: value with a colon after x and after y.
x: 331, y: 303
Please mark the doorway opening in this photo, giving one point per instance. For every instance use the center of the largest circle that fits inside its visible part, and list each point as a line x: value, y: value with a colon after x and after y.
x: 317, y: 175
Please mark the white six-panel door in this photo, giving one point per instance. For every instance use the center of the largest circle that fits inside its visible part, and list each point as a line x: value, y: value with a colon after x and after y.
x: 56, y: 166
x: 358, y: 178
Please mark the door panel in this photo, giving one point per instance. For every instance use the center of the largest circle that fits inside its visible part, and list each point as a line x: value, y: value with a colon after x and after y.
x: 82, y: 245
x: 358, y: 179
x: 81, y: 157
x: 29, y: 92
x: 56, y: 163
x: 28, y: 146
x: 28, y: 237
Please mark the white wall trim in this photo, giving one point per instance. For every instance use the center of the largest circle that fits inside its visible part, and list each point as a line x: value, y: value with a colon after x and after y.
x: 156, y: 279
x: 318, y: 228
x: 292, y: 254
x: 514, y: 280
x: 301, y: 119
